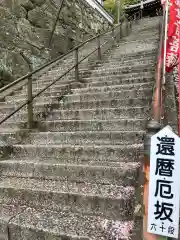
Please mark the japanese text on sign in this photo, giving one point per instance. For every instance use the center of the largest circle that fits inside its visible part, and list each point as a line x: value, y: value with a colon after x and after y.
x: 164, y: 187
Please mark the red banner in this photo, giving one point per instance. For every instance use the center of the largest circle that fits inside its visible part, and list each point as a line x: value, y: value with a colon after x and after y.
x: 173, y: 36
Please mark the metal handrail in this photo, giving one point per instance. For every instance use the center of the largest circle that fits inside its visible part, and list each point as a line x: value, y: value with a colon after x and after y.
x: 55, y: 23
x: 30, y: 99
x: 57, y: 59
x: 154, y: 125
x: 157, y: 98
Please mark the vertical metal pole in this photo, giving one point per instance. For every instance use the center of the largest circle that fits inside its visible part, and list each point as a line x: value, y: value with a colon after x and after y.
x: 77, y: 65
x: 120, y: 31
x: 113, y: 36
x: 142, y: 7
x: 99, y: 47
x: 74, y: 9
x: 165, y: 41
x: 127, y: 28
x: 30, y: 103
x: 118, y: 8
x: 152, y: 128
x: 113, y: 32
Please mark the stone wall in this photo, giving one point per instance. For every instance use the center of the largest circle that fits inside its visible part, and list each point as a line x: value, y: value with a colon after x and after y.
x: 25, y: 30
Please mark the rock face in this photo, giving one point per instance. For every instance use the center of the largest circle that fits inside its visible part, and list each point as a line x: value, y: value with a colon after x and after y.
x: 25, y: 30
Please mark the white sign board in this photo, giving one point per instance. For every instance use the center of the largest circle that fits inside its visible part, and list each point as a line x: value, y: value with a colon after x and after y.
x: 164, y: 185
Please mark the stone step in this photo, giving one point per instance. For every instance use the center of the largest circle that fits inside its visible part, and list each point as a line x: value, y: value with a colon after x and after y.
x: 74, y: 105
x: 141, y: 53
x: 123, y: 77
x: 105, y: 70
x: 79, y: 125
x: 76, y: 138
x: 50, y: 113
x: 117, y: 80
x: 60, y: 87
x: 125, y: 40
x: 124, y: 174
x: 109, y: 95
x: 9, y: 128
x: 74, y: 154
x: 54, y: 97
x: 111, y: 62
x: 119, y: 87
x: 110, y: 103
x: 116, y: 70
x: 45, y: 224
x: 83, y: 137
x: 104, y: 114
x: 85, y: 198
x: 82, y: 89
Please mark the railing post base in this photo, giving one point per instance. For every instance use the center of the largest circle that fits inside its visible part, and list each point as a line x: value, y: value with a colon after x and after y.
x: 30, y: 103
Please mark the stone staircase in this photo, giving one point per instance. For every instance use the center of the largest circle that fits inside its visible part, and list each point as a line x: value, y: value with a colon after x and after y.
x: 74, y: 177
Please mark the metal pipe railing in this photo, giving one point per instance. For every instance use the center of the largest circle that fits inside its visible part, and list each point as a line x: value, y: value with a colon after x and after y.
x: 55, y: 23
x: 154, y: 125
x: 30, y: 97
x: 55, y: 60
x: 157, y: 101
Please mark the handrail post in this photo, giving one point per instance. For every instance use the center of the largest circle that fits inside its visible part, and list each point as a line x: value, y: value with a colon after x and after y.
x: 77, y: 65
x: 30, y: 103
x: 120, y: 31
x: 129, y: 27
x: 99, y: 48
x: 152, y: 128
x: 113, y: 32
x: 126, y: 27
x: 113, y: 36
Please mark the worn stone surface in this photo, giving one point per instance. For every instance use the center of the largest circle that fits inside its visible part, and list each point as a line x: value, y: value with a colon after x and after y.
x: 25, y: 30
x: 76, y: 173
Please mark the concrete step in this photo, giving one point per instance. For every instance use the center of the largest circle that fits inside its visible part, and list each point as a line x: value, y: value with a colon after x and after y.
x: 86, y: 137
x: 51, y: 114
x: 74, y: 105
x: 116, y: 70
x: 46, y: 224
x: 109, y: 95
x: 119, y: 87
x: 141, y: 53
x: 104, y: 70
x: 104, y: 114
x: 70, y: 79
x: 76, y: 138
x: 59, y: 89
x: 84, y: 97
x: 117, y: 80
x: 79, y: 125
x: 83, y: 88
x: 85, y: 198
x: 55, y: 88
x: 110, y: 103
x: 125, y: 174
x: 82, y: 154
x: 110, y: 54
x: 111, y: 62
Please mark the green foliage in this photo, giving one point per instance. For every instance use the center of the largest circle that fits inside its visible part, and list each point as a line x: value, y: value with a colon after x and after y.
x: 112, y: 6
x: 130, y: 2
